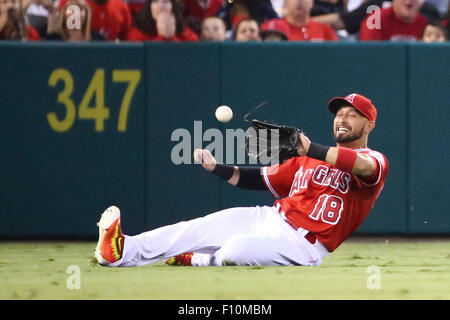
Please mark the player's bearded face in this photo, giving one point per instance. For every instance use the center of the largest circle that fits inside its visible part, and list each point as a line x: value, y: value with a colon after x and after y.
x: 349, y: 125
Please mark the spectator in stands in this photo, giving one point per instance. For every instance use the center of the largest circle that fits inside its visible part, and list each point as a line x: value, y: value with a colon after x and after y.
x: 62, y: 25
x: 434, y: 32
x: 233, y: 11
x: 195, y: 11
x: 274, y: 30
x: 110, y: 18
x: 213, y: 29
x: 402, y: 21
x: 161, y: 20
x: 300, y: 25
x: 247, y: 30
x: 12, y: 22
x: 350, y: 21
x: 36, y: 14
x: 320, y: 7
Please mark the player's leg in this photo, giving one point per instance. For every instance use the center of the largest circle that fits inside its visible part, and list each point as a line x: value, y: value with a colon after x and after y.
x: 205, y: 234
x: 273, y: 243
x: 248, y: 250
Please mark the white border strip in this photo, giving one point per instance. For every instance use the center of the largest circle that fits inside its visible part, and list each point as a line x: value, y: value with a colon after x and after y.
x: 266, y: 179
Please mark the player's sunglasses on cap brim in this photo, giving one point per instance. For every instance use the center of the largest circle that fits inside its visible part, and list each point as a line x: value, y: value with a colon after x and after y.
x: 357, y: 101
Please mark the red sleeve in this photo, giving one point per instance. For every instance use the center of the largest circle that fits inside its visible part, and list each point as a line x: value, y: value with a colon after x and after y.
x: 134, y: 35
x: 188, y: 35
x: 278, y: 178
x: 33, y: 35
x: 330, y: 35
x: 380, y: 172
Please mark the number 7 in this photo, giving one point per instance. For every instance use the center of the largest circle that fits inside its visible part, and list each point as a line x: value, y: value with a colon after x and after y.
x: 132, y: 77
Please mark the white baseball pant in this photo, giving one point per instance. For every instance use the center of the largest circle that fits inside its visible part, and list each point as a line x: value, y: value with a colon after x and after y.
x: 237, y: 236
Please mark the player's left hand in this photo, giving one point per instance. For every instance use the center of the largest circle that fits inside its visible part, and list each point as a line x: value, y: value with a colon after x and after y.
x: 304, y: 145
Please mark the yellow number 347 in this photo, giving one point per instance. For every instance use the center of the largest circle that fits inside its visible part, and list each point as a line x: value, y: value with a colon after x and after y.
x: 99, y: 112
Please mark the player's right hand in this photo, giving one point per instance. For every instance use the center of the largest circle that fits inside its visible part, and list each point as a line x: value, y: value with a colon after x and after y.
x: 205, y: 157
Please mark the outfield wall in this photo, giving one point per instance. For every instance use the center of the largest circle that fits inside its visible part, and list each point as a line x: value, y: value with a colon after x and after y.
x: 86, y: 126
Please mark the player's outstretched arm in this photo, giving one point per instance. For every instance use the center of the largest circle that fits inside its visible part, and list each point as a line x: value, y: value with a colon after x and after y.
x: 245, y: 177
x: 204, y: 156
x: 363, y: 165
x: 342, y: 158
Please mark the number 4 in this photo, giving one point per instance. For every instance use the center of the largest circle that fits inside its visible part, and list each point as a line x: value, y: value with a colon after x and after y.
x: 100, y: 112
x: 328, y: 208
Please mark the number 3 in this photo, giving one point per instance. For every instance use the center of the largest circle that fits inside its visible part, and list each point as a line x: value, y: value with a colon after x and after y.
x: 328, y: 208
x: 63, y: 98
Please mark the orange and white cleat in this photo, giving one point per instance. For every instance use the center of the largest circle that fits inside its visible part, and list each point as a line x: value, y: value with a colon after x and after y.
x: 183, y: 259
x: 111, y: 240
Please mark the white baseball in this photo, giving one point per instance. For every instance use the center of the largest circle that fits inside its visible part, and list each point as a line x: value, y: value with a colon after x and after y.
x: 224, y: 113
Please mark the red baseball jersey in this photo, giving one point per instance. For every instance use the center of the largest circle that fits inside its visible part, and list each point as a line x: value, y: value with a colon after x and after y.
x: 316, y: 196
x: 112, y: 20
x: 312, y: 31
x: 392, y: 28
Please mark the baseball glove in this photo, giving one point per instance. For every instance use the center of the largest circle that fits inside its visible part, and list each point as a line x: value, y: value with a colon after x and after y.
x: 270, y: 142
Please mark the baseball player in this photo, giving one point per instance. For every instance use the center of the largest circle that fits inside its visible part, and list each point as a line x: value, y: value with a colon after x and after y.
x: 322, y: 196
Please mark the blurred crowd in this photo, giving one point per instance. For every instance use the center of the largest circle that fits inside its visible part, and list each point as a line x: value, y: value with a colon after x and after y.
x: 224, y: 20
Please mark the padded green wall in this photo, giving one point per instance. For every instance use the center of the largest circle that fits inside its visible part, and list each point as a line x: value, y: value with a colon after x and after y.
x: 57, y: 183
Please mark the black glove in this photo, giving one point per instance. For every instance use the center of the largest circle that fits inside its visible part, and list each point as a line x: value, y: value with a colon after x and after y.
x: 265, y: 140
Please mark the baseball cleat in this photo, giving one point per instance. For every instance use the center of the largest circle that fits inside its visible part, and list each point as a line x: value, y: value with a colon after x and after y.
x: 183, y: 259
x: 111, y: 240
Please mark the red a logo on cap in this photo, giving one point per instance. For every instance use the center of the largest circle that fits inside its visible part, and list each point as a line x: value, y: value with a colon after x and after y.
x: 350, y: 97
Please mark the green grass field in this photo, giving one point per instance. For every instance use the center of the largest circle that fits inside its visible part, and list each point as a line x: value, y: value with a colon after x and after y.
x: 418, y: 269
